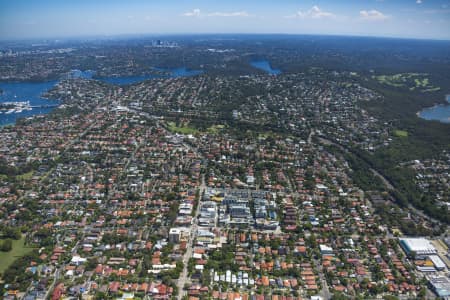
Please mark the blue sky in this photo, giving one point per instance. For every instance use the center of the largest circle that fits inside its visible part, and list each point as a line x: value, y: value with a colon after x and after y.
x: 70, y: 18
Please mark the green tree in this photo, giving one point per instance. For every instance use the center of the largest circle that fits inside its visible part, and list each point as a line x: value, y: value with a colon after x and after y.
x: 6, y: 245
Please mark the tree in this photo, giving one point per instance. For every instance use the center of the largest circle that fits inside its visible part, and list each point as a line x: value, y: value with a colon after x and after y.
x: 100, y: 295
x: 11, y: 233
x: 6, y: 245
x: 422, y: 293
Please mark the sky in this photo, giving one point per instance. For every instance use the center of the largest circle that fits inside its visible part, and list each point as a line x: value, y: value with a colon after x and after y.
x: 23, y: 19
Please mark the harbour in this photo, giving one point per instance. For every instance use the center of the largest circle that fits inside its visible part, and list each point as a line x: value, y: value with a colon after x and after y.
x: 23, y: 99
x: 20, y: 106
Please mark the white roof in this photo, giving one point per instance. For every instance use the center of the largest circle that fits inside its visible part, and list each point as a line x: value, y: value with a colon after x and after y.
x: 325, y: 248
x: 437, y: 262
x: 78, y: 259
x: 418, y: 245
x: 178, y: 230
x: 321, y: 186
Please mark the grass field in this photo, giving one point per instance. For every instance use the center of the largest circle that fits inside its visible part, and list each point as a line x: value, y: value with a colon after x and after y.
x: 18, y: 250
x: 400, y: 133
x: 215, y: 128
x: 412, y: 81
x: 26, y: 176
x: 183, y: 130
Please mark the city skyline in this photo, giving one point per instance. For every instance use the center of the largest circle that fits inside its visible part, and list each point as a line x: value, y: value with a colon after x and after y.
x: 425, y: 19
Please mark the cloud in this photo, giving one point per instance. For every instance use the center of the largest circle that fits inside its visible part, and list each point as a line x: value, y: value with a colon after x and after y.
x: 314, y: 13
x: 197, y: 13
x: 194, y: 13
x: 419, y: 1
x: 229, y: 14
x: 372, y: 15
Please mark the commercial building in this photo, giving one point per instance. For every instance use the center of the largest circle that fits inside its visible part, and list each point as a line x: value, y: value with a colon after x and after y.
x: 420, y: 247
x: 441, y: 286
x: 437, y: 262
x: 178, y: 234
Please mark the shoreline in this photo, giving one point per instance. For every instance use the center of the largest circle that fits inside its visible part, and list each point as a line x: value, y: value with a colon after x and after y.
x: 443, y: 119
x: 8, y: 124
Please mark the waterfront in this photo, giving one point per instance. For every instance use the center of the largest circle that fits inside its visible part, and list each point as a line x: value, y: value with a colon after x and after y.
x: 22, y: 92
x: 174, y: 73
x: 439, y: 112
x: 32, y: 91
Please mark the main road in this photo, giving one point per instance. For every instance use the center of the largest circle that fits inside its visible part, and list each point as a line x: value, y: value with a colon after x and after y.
x: 385, y: 181
x: 190, y: 245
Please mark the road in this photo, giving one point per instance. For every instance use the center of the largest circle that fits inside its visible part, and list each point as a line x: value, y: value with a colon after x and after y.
x: 189, y: 247
x: 386, y: 182
x: 325, y: 291
x: 389, y: 186
x: 50, y: 288
x: 310, y: 136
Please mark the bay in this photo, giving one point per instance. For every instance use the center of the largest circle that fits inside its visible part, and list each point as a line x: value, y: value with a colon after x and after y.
x: 32, y: 91
x: 25, y: 91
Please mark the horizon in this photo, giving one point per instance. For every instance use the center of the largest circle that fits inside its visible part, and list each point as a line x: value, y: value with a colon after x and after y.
x: 51, y: 19
x: 131, y: 36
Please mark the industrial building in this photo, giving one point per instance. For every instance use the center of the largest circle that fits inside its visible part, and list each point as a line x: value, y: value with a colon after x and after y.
x: 441, y: 286
x: 418, y: 247
x: 437, y: 262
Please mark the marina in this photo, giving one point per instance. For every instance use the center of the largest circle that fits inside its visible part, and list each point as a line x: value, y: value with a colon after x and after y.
x: 34, y: 104
x: 20, y: 106
x: 23, y: 100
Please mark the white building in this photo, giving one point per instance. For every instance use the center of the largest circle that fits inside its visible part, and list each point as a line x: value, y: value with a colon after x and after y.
x: 420, y: 247
x: 326, y: 250
x: 437, y: 262
x: 178, y: 234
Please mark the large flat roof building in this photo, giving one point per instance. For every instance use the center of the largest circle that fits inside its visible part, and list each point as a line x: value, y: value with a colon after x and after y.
x: 437, y: 262
x: 419, y: 246
x: 441, y: 286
